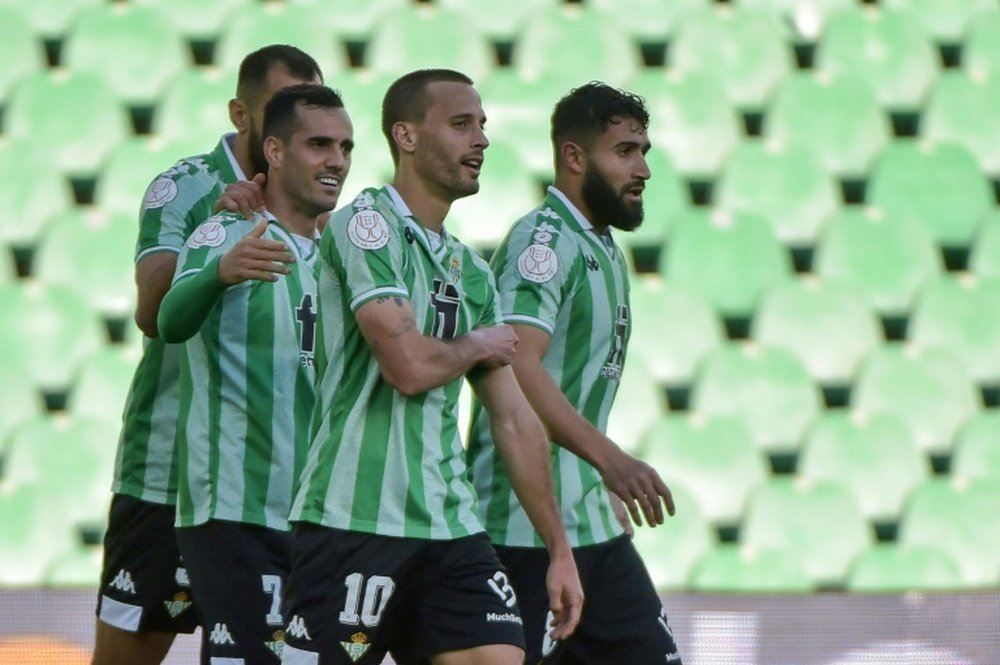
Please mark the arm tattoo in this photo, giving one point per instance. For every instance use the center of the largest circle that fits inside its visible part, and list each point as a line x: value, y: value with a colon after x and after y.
x: 404, y: 327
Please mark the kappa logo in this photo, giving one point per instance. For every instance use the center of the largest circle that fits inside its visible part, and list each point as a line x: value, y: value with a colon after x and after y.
x: 180, y: 603
x: 123, y: 582
x: 181, y: 577
x: 220, y: 635
x: 592, y: 264
x: 297, y: 628
x: 357, y: 647
x: 364, y: 200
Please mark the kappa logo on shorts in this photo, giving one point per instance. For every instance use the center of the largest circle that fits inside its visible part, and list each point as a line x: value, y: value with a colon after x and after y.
x: 180, y: 603
x: 297, y: 628
x: 220, y: 635
x: 123, y: 582
x: 181, y: 576
x: 357, y: 647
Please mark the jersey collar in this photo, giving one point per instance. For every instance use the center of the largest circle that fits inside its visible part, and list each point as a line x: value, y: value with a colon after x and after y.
x: 572, y: 215
x: 225, y: 158
x: 288, y: 237
x: 416, y: 227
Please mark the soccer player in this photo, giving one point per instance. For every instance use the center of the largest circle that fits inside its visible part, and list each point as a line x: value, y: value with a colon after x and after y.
x: 144, y: 597
x: 246, y: 392
x: 563, y: 286
x: 389, y: 551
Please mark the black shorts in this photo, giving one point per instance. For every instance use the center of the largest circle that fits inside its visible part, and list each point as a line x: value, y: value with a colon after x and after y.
x: 238, y: 572
x: 623, y: 620
x: 144, y: 584
x: 354, y: 596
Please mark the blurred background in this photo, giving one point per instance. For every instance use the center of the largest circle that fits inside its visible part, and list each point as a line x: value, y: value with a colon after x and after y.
x: 815, y: 362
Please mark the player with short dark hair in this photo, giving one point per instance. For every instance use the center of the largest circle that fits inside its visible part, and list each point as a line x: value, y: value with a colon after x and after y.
x: 564, y: 287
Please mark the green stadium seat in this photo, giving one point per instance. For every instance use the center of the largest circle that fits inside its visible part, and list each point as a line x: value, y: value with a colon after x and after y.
x: 34, y: 530
x: 499, y: 20
x: 872, y: 455
x: 981, y: 51
x: 673, y: 329
x: 50, y: 19
x: 977, y: 447
x: 819, y: 521
x: 73, y: 117
x: 648, y: 21
x: 959, y: 517
x: 709, y: 253
x: 195, y: 107
x: 79, y: 567
x: 715, y: 459
x: 351, y: 20
x: 961, y: 109
x: 740, y: 569
x: 837, y: 116
x: 927, y: 388
x: 827, y: 326
x: 806, y: 19
x: 7, y: 270
x: 884, y: 256
x: 259, y: 24
x: 671, y: 549
x: 46, y: 332
x: 665, y: 199
x: 196, y: 20
x: 638, y: 404
x: 31, y: 192
x: 130, y: 47
x: 767, y: 388
x: 887, y: 48
x: 784, y: 184
x: 101, y: 386
x: 89, y: 252
x: 947, y: 21
x: 744, y: 47
x: 960, y: 314
x: 21, y: 52
x: 690, y: 118
x: 20, y: 402
x: 984, y: 258
x: 399, y: 43
x: 550, y: 42
x: 122, y: 182
x: 939, y: 184
x: 886, y: 568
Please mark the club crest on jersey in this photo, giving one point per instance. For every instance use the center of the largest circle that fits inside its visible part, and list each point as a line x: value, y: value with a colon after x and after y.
x: 364, y: 200
x: 357, y: 647
x: 209, y: 234
x: 277, y: 643
x: 455, y: 270
x: 161, y: 192
x: 368, y: 229
x: 538, y: 263
x: 177, y: 605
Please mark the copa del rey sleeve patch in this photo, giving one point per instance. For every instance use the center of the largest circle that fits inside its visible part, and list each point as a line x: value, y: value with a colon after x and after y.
x: 368, y: 229
x: 538, y: 263
x: 160, y: 192
x: 209, y: 234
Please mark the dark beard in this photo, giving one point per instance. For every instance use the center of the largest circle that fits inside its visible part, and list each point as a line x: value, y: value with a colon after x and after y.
x: 255, y: 148
x: 606, y: 205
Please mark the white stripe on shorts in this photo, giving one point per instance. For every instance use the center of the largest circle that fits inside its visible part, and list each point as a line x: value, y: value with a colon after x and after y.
x: 120, y: 615
x: 292, y: 656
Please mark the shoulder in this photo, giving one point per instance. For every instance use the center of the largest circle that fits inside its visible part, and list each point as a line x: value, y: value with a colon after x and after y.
x: 366, y: 223
x: 185, y: 182
x: 539, y: 245
x: 218, y: 230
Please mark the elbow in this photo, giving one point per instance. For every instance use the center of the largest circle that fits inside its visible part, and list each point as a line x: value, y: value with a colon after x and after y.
x: 404, y: 381
x: 168, y: 333
x: 146, y: 323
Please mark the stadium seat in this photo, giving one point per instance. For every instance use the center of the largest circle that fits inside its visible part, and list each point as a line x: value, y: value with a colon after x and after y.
x: 195, y: 107
x: 828, y: 327
x: 73, y: 117
x: 785, y: 184
x: 34, y: 530
x: 575, y: 41
x: 873, y: 455
x: 130, y: 47
x: 819, y: 521
x: 671, y: 549
x: 690, y: 118
x: 50, y: 19
x: 260, y: 24
x: 90, y: 252
x: 648, y: 21
x: 885, y: 257
x: 196, y: 20
x: 984, y: 259
x: 981, y: 51
x: 729, y: 258
x: 399, y: 43
x: 638, y: 404
x: 959, y: 517
x: 665, y: 199
x: 947, y: 21
x: 837, y: 116
x: 20, y: 402
x: 499, y: 20
x: 79, y: 567
x: 31, y: 192
x: 805, y: 18
x: 959, y: 313
x: 961, y: 109
x: 977, y: 447
x: 350, y: 20
x: 767, y: 388
x: 46, y: 332
x: 889, y: 568
x: 21, y: 52
x: 744, y: 47
x: 740, y: 569
x: 132, y: 166
x: 714, y: 458
x: 886, y: 48
x: 927, y: 388
x: 673, y: 328
x: 8, y: 272
x: 939, y: 184
x: 101, y: 386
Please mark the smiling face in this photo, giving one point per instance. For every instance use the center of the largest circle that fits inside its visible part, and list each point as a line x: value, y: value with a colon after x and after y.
x: 616, y: 173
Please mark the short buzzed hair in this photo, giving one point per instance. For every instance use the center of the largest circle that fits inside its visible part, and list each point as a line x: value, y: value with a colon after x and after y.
x: 254, y: 68
x: 280, y: 118
x: 406, y: 99
x: 585, y: 113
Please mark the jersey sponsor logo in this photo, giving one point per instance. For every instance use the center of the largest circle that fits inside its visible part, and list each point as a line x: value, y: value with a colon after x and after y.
x: 368, y: 229
x: 160, y: 192
x: 538, y: 263
x: 364, y: 200
x: 446, y: 302
x: 123, y: 582
x: 592, y: 264
x: 209, y: 234
x: 277, y: 643
x: 297, y: 628
x: 612, y: 369
x: 305, y: 314
x: 357, y: 647
x: 176, y: 606
x: 505, y: 617
x: 220, y: 635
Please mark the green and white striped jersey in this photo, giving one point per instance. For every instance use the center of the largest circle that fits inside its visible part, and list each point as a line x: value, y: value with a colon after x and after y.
x: 381, y: 462
x: 246, y: 385
x: 555, y: 273
x: 176, y: 202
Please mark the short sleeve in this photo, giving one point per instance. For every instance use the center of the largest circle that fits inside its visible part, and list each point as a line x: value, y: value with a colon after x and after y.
x: 364, y: 251
x: 210, y: 240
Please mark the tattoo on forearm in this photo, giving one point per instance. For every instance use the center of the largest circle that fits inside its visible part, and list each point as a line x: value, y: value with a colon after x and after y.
x: 404, y: 327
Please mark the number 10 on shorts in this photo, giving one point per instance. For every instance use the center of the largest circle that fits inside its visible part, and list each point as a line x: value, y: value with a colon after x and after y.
x: 367, y: 611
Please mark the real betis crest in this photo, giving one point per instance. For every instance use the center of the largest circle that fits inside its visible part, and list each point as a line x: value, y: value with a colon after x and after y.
x: 180, y: 603
x: 357, y: 647
x: 455, y: 270
x: 277, y: 645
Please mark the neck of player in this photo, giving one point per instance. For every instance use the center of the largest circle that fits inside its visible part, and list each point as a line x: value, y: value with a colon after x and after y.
x: 295, y: 218
x: 428, y: 204
x: 572, y: 189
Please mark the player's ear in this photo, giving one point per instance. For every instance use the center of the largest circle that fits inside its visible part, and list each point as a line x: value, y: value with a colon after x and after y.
x: 274, y: 151
x: 239, y: 115
x: 405, y: 136
x: 573, y: 156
